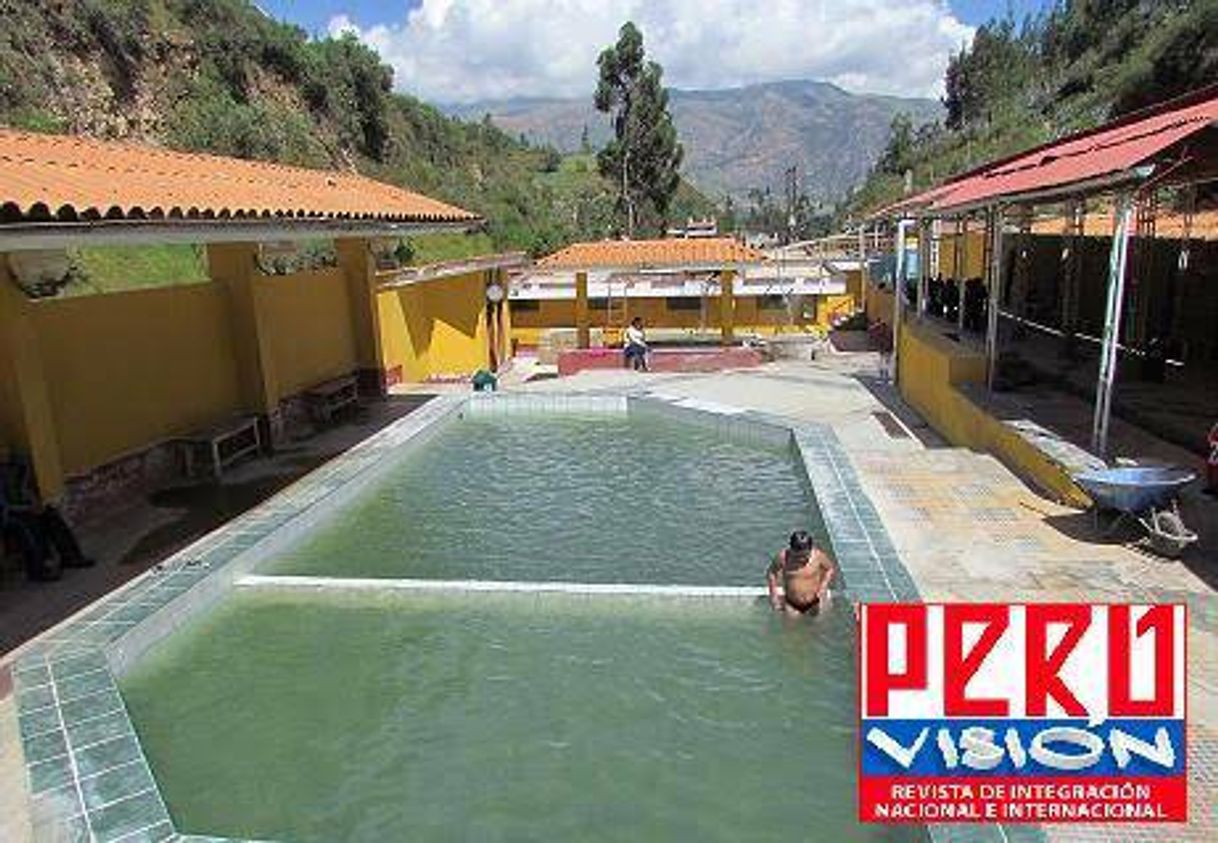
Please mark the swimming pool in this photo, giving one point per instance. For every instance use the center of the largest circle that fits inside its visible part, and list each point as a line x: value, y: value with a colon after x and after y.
x: 390, y: 712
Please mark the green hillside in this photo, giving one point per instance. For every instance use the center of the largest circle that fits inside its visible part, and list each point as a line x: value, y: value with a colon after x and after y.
x: 219, y: 76
x: 1081, y: 63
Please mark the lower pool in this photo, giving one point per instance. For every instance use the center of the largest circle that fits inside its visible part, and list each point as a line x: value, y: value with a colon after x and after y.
x: 505, y: 717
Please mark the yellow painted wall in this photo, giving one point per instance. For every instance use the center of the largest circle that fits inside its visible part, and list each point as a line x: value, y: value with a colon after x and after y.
x: 120, y: 372
x: 435, y: 328
x: 310, y: 336
x: 972, y: 244
x: 931, y: 367
x: 125, y: 370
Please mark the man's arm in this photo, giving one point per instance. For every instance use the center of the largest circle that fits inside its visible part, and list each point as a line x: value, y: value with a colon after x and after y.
x: 827, y: 571
x: 771, y: 581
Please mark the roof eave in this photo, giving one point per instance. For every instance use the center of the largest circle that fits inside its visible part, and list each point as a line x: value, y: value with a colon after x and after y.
x: 647, y: 269
x: 19, y: 237
x: 1056, y: 193
x: 409, y: 276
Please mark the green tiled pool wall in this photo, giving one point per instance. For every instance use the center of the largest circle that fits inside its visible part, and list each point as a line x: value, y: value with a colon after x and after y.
x: 88, y: 777
x: 502, y: 405
x: 869, y: 564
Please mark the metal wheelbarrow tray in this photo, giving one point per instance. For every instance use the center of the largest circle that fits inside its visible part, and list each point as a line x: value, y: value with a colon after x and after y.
x: 1147, y: 494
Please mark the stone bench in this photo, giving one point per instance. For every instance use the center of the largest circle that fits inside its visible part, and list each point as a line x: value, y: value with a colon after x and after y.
x: 327, y: 399
x: 220, y: 445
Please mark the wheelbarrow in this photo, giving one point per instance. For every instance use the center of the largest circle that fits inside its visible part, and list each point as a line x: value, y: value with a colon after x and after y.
x: 1147, y: 495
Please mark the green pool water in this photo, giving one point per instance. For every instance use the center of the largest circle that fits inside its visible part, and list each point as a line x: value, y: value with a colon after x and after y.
x: 386, y: 716
x: 508, y: 717
x: 537, y: 498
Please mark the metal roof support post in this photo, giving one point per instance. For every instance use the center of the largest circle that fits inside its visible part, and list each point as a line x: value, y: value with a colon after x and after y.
x: 898, y: 297
x: 933, y: 268
x: 994, y: 270
x: 1072, y: 250
x: 958, y: 264
x: 1112, y: 326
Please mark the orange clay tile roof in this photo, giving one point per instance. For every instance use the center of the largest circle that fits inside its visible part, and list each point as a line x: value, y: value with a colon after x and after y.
x: 55, y: 177
x: 695, y: 251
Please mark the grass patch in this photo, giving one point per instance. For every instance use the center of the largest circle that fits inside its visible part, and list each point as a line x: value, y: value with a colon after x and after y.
x: 114, y: 269
x: 434, y: 248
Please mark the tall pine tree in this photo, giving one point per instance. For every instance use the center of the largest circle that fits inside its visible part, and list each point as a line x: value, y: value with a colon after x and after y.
x: 644, y: 154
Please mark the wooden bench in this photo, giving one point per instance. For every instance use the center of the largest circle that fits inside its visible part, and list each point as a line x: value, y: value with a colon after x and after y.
x: 220, y: 445
x: 326, y: 399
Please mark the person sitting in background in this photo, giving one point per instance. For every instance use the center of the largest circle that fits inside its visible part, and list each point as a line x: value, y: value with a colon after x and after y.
x: 635, y: 348
x: 805, y: 570
x: 35, y: 529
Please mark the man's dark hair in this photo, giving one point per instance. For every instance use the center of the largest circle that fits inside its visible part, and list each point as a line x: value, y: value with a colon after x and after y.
x: 801, y: 542
x: 638, y: 320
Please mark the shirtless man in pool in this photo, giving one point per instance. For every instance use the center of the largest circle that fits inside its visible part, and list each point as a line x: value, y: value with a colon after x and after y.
x: 805, y: 570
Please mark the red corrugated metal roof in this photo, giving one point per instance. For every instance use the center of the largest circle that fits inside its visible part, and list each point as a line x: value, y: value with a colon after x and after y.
x: 1107, y: 151
x: 81, y: 178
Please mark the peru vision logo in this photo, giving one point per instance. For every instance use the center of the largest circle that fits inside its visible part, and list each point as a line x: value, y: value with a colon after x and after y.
x: 1055, y: 713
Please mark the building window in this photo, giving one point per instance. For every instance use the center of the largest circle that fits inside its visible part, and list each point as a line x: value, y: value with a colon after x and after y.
x: 772, y: 302
x: 526, y: 305
x: 683, y: 303
x: 598, y: 303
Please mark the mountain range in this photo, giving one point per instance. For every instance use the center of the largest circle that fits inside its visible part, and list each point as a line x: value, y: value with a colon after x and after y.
x: 737, y: 139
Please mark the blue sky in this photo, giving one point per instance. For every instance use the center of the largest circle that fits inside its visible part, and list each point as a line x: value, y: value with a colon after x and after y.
x: 451, y: 51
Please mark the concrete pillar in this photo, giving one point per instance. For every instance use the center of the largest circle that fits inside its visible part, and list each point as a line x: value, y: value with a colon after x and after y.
x: 727, y: 306
x: 583, y: 330
x: 234, y: 266
x: 359, y: 269
x: 27, y: 418
x: 505, y: 315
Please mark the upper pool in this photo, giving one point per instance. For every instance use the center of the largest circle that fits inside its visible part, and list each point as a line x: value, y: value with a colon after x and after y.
x: 611, y: 499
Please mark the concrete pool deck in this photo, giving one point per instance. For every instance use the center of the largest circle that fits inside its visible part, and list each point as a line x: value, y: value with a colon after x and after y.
x: 964, y: 527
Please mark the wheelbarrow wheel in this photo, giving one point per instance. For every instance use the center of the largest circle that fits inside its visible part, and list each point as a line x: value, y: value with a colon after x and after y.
x: 1169, y: 536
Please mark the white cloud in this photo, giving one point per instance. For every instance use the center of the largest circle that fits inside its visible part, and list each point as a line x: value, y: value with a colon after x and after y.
x: 465, y: 50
